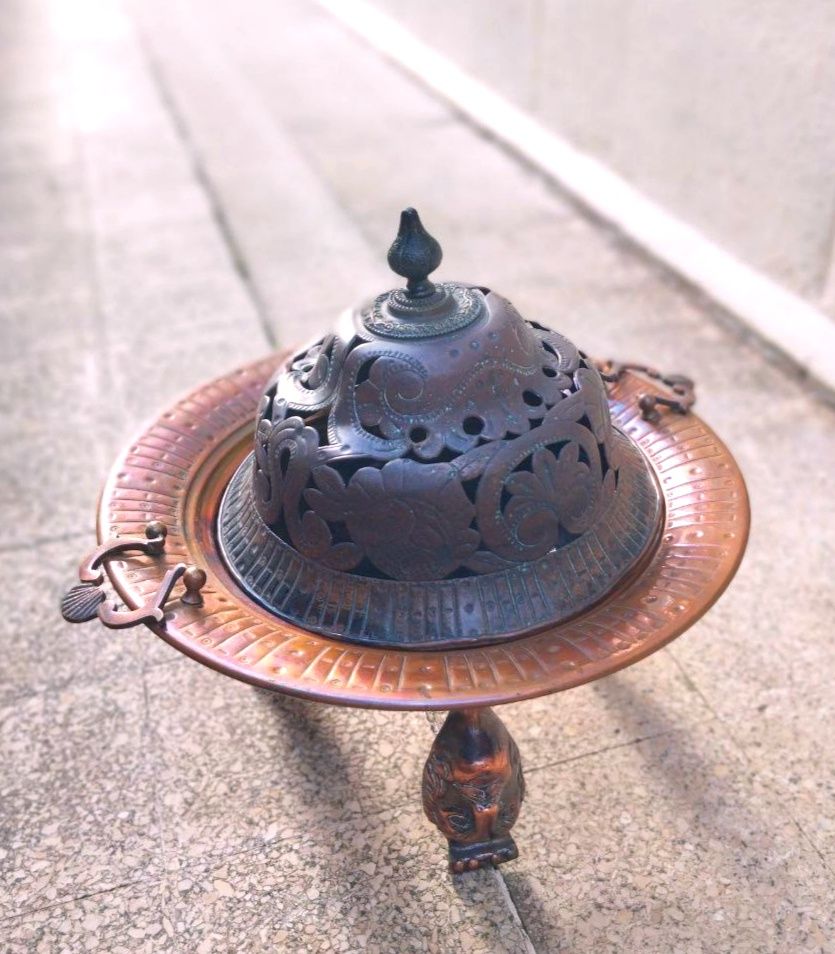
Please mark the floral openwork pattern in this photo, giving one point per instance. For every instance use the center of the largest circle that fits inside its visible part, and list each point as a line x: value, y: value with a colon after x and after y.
x: 378, y: 458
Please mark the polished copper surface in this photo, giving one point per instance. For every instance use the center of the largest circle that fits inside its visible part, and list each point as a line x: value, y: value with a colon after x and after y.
x: 473, y: 788
x: 177, y: 470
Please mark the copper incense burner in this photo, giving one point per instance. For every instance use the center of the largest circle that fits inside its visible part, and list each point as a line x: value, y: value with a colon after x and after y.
x: 440, y: 505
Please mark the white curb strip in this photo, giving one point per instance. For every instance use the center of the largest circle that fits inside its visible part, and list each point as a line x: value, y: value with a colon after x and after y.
x: 782, y: 318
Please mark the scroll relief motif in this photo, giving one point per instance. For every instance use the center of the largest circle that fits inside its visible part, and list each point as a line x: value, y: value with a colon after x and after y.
x: 367, y: 462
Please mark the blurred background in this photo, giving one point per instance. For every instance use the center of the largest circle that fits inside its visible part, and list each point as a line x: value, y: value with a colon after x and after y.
x: 721, y: 112
x: 187, y: 186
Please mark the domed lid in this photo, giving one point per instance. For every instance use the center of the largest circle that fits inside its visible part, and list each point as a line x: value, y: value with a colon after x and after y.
x: 440, y: 472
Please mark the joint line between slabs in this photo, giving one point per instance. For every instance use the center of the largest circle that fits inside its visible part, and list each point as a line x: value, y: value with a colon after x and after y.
x: 691, y: 683
x: 515, y: 916
x: 27, y: 915
x: 606, y: 748
x: 201, y: 175
x: 727, y: 730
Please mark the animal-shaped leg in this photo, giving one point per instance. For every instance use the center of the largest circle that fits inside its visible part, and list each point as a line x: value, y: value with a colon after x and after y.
x: 473, y: 788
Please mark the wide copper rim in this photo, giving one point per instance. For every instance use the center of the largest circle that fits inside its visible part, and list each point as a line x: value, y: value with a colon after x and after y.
x: 176, y: 470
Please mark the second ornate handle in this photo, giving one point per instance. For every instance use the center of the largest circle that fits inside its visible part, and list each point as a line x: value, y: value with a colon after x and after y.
x: 86, y: 600
x: 682, y: 389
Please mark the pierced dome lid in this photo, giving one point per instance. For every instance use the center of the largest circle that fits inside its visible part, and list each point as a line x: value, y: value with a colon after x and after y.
x: 441, y: 472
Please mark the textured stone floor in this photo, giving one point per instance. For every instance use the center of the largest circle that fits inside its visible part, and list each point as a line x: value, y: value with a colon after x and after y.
x: 184, y: 185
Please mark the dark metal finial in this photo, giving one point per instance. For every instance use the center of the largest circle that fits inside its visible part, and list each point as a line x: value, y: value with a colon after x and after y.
x: 414, y: 254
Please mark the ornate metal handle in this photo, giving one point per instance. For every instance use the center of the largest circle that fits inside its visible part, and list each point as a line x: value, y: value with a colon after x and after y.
x: 85, y: 600
x: 682, y: 388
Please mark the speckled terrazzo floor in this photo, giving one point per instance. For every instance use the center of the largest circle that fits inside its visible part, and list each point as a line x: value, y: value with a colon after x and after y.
x: 183, y: 186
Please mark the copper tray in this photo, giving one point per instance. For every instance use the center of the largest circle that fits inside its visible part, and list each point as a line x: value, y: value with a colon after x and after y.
x: 176, y: 470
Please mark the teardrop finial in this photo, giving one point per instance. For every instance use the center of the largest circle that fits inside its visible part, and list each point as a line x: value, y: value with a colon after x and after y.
x: 414, y: 254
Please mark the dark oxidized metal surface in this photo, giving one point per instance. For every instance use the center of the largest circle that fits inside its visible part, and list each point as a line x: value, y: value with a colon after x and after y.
x: 176, y: 472
x: 449, y: 474
x: 474, y: 609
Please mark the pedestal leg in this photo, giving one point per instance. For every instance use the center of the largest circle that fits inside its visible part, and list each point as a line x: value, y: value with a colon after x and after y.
x: 473, y: 788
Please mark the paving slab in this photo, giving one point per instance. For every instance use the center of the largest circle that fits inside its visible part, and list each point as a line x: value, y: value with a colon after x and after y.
x: 50, y: 411
x: 667, y: 844
x: 37, y: 201
x: 637, y: 703
x: 240, y: 768
x: 128, y: 920
x: 41, y: 652
x: 788, y: 745
x: 367, y: 884
x: 46, y: 267
x: 77, y: 802
x: 255, y: 166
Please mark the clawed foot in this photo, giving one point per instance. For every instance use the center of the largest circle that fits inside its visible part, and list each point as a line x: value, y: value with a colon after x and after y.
x: 482, y: 855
